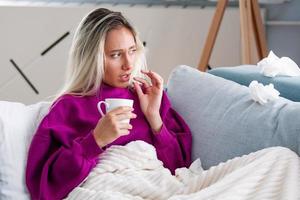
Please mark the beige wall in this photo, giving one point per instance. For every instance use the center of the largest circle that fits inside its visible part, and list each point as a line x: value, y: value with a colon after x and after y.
x: 174, y: 36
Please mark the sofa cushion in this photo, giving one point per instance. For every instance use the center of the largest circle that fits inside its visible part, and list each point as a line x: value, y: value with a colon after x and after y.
x: 225, y: 121
x: 289, y: 87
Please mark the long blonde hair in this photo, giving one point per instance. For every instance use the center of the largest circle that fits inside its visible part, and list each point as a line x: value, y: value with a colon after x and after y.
x: 86, y: 57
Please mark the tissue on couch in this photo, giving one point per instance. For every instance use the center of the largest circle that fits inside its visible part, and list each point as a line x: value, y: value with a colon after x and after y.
x: 262, y: 94
x: 272, y: 66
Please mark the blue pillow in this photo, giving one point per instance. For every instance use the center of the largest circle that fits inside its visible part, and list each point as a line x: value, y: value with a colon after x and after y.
x: 289, y: 87
x: 225, y: 121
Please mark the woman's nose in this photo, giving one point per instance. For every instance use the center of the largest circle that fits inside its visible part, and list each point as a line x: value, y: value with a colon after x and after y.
x: 128, y: 62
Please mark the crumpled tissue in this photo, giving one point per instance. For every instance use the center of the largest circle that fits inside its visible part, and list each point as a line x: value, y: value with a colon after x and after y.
x: 262, y: 94
x: 272, y: 66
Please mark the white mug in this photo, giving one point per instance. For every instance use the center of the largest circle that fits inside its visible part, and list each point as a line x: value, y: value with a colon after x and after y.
x: 112, y: 103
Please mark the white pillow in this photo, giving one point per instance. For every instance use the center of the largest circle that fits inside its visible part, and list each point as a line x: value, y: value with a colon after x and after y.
x: 17, y: 126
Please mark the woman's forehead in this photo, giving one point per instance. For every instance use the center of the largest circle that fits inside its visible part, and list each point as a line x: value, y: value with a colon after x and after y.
x: 119, y: 39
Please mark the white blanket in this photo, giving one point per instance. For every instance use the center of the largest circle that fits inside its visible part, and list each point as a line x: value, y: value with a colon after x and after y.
x: 133, y: 172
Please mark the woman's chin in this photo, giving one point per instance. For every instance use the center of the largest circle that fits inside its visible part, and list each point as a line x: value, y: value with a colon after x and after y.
x: 123, y: 84
x: 118, y: 84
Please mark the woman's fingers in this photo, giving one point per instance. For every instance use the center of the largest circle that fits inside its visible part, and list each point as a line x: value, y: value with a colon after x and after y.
x: 120, y: 110
x: 124, y: 116
x: 124, y: 132
x: 126, y: 126
x: 118, y: 116
x: 158, y: 78
x: 155, y: 78
x: 142, y: 81
x: 122, y: 113
x: 138, y: 90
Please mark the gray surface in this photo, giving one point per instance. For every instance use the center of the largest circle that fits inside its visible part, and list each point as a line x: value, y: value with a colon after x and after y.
x: 225, y: 121
x: 284, y: 40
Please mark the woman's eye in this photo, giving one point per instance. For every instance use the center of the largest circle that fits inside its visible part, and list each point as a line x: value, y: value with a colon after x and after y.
x: 132, y: 51
x: 115, y: 55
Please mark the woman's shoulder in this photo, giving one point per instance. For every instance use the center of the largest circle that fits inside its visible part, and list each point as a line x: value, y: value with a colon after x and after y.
x: 65, y: 100
x: 68, y: 104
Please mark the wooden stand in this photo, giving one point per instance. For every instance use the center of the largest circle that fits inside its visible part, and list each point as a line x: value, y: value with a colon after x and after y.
x: 251, y: 22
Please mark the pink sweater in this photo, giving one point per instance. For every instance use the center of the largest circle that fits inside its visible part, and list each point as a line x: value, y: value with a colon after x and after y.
x: 63, y: 150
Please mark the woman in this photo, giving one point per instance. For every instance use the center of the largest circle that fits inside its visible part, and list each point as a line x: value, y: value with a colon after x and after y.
x: 105, y: 58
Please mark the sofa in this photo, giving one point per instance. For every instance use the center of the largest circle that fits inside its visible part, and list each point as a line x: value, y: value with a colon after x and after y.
x: 224, y: 120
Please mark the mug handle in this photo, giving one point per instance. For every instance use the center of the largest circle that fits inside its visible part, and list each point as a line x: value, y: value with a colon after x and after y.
x: 99, y: 107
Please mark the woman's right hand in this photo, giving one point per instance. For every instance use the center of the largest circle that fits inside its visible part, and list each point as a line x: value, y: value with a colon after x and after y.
x: 111, y: 126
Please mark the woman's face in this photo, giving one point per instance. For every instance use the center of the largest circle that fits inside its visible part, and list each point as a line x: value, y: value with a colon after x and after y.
x: 120, y: 54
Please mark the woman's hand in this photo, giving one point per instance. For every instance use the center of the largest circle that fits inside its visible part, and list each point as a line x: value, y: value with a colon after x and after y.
x: 111, y: 126
x: 150, y: 98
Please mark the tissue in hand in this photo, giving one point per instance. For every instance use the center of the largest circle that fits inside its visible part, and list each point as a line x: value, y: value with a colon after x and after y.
x: 272, y: 66
x: 262, y: 94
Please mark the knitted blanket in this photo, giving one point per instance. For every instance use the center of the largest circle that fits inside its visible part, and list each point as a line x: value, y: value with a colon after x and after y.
x: 133, y: 172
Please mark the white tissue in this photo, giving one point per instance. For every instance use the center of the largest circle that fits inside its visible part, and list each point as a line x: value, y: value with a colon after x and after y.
x: 262, y: 94
x: 272, y: 66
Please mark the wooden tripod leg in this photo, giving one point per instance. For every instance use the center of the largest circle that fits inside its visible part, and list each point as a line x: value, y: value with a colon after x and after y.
x: 212, y: 35
x: 245, y: 30
x: 259, y: 31
x: 250, y: 30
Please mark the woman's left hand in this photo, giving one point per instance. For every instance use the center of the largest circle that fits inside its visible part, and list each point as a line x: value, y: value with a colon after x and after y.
x: 150, y: 98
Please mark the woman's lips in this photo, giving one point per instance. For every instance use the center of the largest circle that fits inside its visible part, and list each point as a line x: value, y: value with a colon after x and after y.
x: 125, y: 77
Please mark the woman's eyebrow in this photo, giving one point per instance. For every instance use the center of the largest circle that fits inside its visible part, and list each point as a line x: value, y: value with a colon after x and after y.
x: 119, y: 50
x: 115, y: 50
x: 132, y: 47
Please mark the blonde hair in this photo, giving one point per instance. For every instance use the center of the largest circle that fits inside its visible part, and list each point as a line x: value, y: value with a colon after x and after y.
x: 85, y: 68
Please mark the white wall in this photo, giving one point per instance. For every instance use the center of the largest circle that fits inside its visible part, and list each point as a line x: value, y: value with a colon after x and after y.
x: 174, y: 36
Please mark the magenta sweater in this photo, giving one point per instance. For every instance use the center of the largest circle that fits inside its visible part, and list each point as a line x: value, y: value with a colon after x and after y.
x: 63, y: 150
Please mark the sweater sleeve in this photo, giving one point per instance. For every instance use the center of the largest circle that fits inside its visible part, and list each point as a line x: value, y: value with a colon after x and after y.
x: 173, y: 142
x: 60, y: 155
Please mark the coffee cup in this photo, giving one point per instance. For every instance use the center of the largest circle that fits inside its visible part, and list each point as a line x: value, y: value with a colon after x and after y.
x: 112, y: 103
